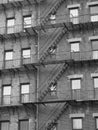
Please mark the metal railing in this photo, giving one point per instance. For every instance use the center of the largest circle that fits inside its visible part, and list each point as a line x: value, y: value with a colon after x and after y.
x: 53, y: 114
x: 61, y: 97
x: 18, y: 28
x: 33, y: 59
x: 16, y: 1
x: 50, y: 78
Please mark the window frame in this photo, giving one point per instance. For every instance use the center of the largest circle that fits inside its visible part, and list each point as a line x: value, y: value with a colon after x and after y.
x: 74, y: 118
x: 94, y: 82
x: 22, y: 120
x: 74, y: 79
x: 25, y: 26
x: 9, y: 27
x: 5, y: 121
x: 92, y: 40
x: 53, y: 18
x: 72, y: 43
x: 91, y: 15
x: 5, y: 55
x: 74, y: 19
x: 94, y: 50
x: 54, y: 91
x: 53, y: 50
x: 9, y: 95
x: 22, y: 95
x: 96, y: 122
x: 26, y: 56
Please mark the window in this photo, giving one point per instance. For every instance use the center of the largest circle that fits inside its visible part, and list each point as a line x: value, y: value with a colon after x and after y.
x: 6, y: 94
x: 94, y: 13
x: 53, y: 89
x: 25, y: 92
x: 77, y: 123
x: 4, y: 125
x: 23, y: 125
x: 10, y: 25
x: 74, y: 15
x: 95, y: 54
x: 9, y: 55
x: 75, y: 47
x: 53, y: 18
x: 27, y: 21
x: 96, y: 121
x: 76, y: 83
x: 55, y: 127
x: 95, y: 82
x: 95, y: 48
x: 26, y: 53
x: 53, y: 50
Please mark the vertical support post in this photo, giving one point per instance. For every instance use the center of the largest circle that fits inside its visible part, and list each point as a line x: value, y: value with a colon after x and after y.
x: 37, y: 94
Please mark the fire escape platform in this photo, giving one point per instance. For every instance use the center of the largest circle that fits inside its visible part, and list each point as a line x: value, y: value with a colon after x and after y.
x: 30, y: 66
x: 62, y: 101
x: 18, y: 3
x: 69, y: 25
x: 28, y: 32
x: 22, y: 68
x: 10, y: 106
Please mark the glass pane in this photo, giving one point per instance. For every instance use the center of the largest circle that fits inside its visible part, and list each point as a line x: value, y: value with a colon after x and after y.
x: 24, y: 88
x: 74, y: 47
x: 26, y: 53
x: 95, y: 54
x: 10, y: 30
x: 24, y: 125
x: 95, y: 82
x: 74, y: 16
x: 53, y: 19
x: 53, y: 87
x: 4, y: 125
x: 7, y: 90
x: 75, y: 20
x: 54, y: 128
x: 77, y: 123
x: 27, y: 21
x: 94, y: 9
x: 96, y: 123
x: 6, y: 100
x: 10, y: 25
x: 74, y: 13
x: 76, y: 84
x: 9, y: 55
x: 10, y: 22
x: 24, y: 98
x: 95, y: 44
x: 94, y: 18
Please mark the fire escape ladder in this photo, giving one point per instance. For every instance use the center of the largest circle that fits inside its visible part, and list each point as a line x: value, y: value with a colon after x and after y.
x: 54, y: 44
x: 54, y: 80
x: 54, y: 121
x: 53, y: 10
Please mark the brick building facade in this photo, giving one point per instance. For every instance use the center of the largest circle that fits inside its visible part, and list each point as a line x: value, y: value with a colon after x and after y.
x: 48, y: 64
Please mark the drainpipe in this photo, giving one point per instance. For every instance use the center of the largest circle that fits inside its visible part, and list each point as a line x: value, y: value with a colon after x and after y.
x: 38, y: 68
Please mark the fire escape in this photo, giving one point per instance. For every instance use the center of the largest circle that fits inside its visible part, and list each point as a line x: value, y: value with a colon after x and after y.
x: 65, y: 28
x: 17, y: 3
x: 32, y: 31
x: 45, y: 89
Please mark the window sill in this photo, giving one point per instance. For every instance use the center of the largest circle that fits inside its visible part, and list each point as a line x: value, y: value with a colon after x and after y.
x: 77, y: 115
x: 73, y: 6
